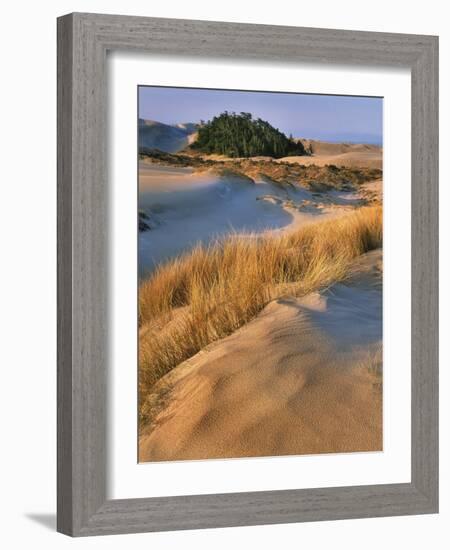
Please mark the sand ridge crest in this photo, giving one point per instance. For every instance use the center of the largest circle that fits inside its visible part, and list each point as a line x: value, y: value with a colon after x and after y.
x: 282, y: 384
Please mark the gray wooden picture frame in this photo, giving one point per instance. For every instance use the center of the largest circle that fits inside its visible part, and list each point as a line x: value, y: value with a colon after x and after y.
x: 83, y: 42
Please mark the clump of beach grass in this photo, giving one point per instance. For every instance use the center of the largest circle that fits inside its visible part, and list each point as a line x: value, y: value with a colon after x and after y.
x: 208, y: 293
x: 370, y: 363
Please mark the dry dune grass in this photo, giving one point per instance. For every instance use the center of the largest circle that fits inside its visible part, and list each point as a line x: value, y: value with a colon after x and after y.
x: 372, y: 363
x: 211, y: 291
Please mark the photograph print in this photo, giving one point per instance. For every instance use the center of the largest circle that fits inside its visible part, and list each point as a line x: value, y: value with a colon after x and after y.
x: 260, y: 274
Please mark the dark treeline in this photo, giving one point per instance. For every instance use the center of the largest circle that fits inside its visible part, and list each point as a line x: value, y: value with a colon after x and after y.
x: 239, y: 135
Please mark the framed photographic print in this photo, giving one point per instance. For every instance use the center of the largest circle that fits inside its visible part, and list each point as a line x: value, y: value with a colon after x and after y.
x: 247, y: 269
x: 260, y: 296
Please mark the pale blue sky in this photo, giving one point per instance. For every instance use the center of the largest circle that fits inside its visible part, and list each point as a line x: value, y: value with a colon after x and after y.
x: 326, y: 117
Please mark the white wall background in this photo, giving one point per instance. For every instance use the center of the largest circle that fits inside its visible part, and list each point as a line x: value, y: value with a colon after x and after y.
x: 28, y: 274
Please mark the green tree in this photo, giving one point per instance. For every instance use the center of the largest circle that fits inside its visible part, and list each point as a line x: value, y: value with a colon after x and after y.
x: 239, y: 135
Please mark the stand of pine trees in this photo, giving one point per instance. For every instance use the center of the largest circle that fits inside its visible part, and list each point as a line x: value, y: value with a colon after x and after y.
x: 239, y: 135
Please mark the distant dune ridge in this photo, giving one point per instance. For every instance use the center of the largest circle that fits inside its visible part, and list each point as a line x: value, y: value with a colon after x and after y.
x: 165, y: 137
x: 362, y: 155
x: 175, y: 138
x: 318, y: 147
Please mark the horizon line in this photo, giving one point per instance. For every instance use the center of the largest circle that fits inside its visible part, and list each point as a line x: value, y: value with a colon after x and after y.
x: 366, y: 140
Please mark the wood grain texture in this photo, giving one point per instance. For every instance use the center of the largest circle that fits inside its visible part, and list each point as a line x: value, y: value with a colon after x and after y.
x: 64, y: 266
x: 424, y: 280
x: 83, y: 41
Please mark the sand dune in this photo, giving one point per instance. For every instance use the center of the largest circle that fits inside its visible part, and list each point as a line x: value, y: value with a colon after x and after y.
x: 156, y: 135
x: 318, y: 147
x: 358, y: 155
x: 177, y: 137
x: 193, y: 208
x: 187, y: 207
x: 340, y: 154
x: 301, y: 378
x: 352, y: 159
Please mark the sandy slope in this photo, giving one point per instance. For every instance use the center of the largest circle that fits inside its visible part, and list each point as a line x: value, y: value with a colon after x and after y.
x: 156, y: 135
x: 296, y: 380
x: 187, y: 207
x: 341, y: 154
x: 361, y: 159
x: 318, y: 147
x: 322, y: 153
